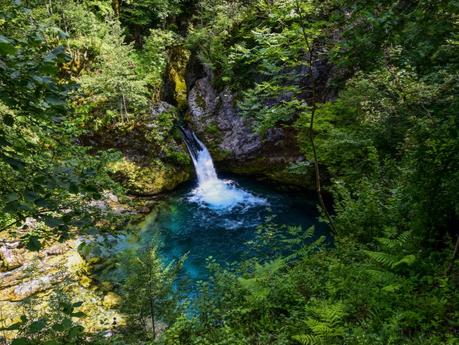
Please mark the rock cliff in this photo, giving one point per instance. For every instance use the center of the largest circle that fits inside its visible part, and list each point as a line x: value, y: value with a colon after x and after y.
x: 215, y: 118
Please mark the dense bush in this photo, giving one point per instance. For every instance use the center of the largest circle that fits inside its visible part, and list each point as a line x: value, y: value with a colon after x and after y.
x: 370, y: 88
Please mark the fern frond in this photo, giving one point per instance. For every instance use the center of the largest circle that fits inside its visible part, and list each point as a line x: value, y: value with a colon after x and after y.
x: 306, y: 339
x: 392, y: 243
x: 403, y: 238
x: 310, y: 232
x: 387, y: 243
x: 385, y: 259
x: 384, y: 277
x: 408, y: 260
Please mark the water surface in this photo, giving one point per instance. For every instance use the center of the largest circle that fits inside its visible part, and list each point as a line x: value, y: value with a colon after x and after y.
x: 187, y: 224
x: 226, y: 218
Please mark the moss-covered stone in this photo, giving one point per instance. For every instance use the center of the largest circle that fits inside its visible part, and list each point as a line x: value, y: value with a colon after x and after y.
x: 212, y: 129
x: 274, y: 171
x: 286, y: 177
x: 153, y: 178
x: 175, y: 88
x: 86, y: 282
x: 200, y: 101
x: 218, y: 154
x: 111, y: 300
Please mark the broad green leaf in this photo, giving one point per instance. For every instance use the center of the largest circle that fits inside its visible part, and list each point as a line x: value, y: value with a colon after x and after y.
x: 37, y: 326
x: 16, y: 164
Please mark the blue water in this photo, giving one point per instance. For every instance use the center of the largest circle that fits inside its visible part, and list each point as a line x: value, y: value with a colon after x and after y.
x: 229, y: 219
x: 184, y: 224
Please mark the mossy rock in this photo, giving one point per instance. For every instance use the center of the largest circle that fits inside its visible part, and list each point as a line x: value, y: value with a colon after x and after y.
x: 200, y: 101
x: 86, y: 282
x: 154, y: 178
x: 111, y: 300
x: 212, y: 129
x: 91, y: 252
x: 106, y: 286
x: 278, y: 172
x: 175, y: 82
x: 284, y: 176
x: 219, y: 154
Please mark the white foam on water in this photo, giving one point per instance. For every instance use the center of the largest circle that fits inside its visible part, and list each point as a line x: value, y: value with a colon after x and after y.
x: 216, y: 194
x: 223, y: 195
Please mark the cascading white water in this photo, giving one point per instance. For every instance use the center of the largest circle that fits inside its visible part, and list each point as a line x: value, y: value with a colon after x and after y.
x: 211, y: 191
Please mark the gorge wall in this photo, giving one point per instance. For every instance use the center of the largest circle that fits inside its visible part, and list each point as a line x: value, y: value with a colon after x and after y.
x: 234, y: 145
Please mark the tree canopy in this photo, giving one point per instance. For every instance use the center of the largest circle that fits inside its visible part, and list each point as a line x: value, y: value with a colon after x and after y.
x: 370, y: 91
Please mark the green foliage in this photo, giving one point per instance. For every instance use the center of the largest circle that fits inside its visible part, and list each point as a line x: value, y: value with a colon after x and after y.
x: 112, y: 88
x: 325, y: 324
x: 58, y: 328
x: 327, y: 296
x: 43, y: 172
x: 141, y: 15
x: 153, y: 58
x: 148, y: 291
x: 383, y: 92
x: 388, y: 138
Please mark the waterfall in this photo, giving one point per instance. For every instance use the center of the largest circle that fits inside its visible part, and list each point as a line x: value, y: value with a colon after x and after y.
x: 211, y: 191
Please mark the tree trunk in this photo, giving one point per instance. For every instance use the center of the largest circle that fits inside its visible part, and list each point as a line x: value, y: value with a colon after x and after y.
x: 116, y: 5
x: 453, y: 259
x: 152, y: 301
x: 313, y: 101
x: 152, y: 315
x: 138, y: 36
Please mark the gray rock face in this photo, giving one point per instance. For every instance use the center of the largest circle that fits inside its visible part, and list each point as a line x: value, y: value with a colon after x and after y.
x: 215, y: 118
x: 211, y: 111
x: 38, y: 273
x: 234, y: 146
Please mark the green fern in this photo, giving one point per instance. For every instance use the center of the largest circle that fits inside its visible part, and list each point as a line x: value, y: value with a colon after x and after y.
x: 392, y: 250
x: 307, y: 339
x: 325, y: 324
x: 385, y: 259
x: 392, y: 243
x: 382, y: 276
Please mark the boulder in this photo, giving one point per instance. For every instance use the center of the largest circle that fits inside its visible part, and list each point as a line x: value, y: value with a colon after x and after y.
x: 31, y: 287
x: 57, y: 249
x: 148, y: 180
x: 14, y: 277
x: 86, y: 282
x: 154, y: 159
x: 106, y: 286
x: 11, y: 256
